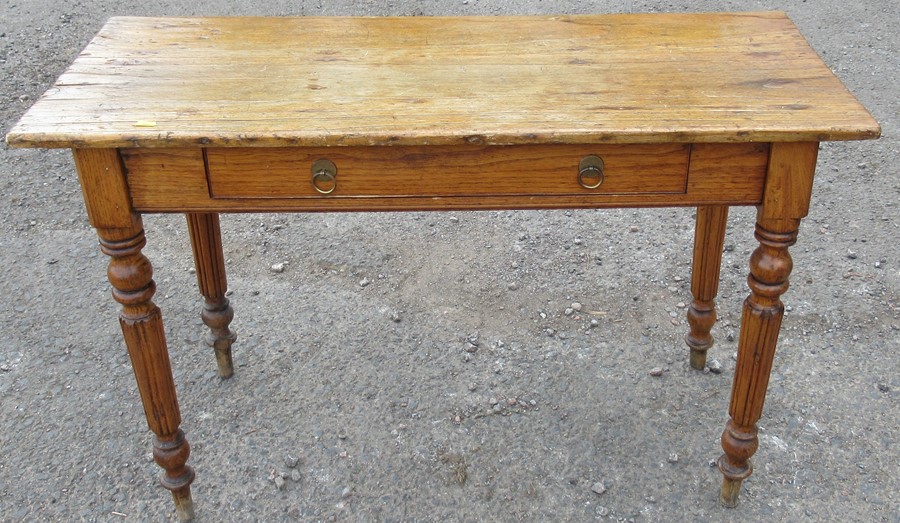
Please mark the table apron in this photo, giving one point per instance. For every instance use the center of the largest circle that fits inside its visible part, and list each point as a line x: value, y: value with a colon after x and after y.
x: 395, y: 178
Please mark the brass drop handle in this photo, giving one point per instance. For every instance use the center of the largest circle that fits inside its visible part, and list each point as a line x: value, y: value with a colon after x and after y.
x: 590, y: 172
x: 324, y: 176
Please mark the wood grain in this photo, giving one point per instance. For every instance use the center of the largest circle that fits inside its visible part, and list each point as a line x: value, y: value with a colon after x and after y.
x: 175, y: 180
x: 191, y: 82
x: 446, y: 170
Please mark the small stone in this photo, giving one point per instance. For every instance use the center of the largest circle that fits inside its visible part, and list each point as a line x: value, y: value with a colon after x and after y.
x: 295, y: 476
x: 729, y: 247
x: 598, y: 488
x: 473, y: 387
x: 884, y: 387
x: 673, y: 457
x: 602, y: 511
x: 729, y: 336
x: 279, y: 482
x: 678, y: 278
x: 346, y: 493
x: 578, y: 241
x: 512, y: 402
x: 514, y: 286
x: 851, y: 255
x: 364, y: 282
x: 634, y: 228
x: 715, y: 366
x: 5, y: 368
x: 471, y: 348
x: 278, y: 268
x: 569, y: 311
x: 395, y: 316
x: 577, y: 306
x: 734, y: 356
x: 878, y: 264
x: 454, y: 219
x: 656, y: 372
x: 493, y: 401
x: 594, y: 322
x: 291, y: 461
x: 473, y: 338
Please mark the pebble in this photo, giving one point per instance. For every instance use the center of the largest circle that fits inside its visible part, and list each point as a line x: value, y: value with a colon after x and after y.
x: 878, y: 264
x: 577, y: 306
x: 470, y: 348
x: 473, y: 387
x: 578, y: 241
x: 5, y: 368
x: 715, y: 366
x: 598, y: 488
x: 395, y: 316
x: 346, y: 493
x: 295, y: 475
x: 493, y: 401
x: 291, y: 461
x: 851, y: 255
x: 656, y: 372
x: 602, y: 511
x: 512, y: 402
x: 569, y: 311
x: 454, y: 219
x: 673, y: 457
x: 364, y: 282
x: 278, y: 267
x: 884, y: 387
x: 279, y: 482
x: 513, y: 286
x: 634, y: 228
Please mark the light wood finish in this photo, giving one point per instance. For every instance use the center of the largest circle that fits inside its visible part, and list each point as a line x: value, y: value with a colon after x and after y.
x: 209, y: 261
x: 786, y: 201
x: 174, y: 180
x: 709, y: 241
x: 210, y: 115
x: 131, y: 275
x: 190, y: 82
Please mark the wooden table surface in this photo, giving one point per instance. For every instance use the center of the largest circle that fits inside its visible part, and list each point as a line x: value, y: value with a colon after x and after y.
x: 176, y: 82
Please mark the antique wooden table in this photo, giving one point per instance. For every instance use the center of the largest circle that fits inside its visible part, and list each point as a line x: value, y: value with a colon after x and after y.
x: 209, y: 115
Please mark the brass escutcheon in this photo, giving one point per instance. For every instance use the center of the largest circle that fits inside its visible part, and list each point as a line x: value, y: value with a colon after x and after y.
x: 324, y: 176
x: 590, y: 172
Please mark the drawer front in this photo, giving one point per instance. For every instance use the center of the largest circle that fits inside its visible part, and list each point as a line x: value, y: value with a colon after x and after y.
x: 447, y: 171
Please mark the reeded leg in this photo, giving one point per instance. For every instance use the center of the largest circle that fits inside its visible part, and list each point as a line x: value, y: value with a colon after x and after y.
x: 785, y: 201
x: 206, y: 240
x: 121, y: 232
x: 131, y: 276
x: 709, y: 239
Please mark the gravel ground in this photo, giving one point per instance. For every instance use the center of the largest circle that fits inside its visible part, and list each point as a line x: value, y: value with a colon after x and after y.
x: 453, y: 385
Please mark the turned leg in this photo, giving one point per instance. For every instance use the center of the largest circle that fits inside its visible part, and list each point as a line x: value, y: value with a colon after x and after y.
x: 206, y: 240
x: 785, y: 201
x: 709, y: 239
x: 131, y: 276
x: 121, y: 233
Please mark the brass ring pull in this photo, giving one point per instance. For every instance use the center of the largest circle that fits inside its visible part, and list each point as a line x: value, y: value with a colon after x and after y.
x: 590, y: 172
x: 324, y: 176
